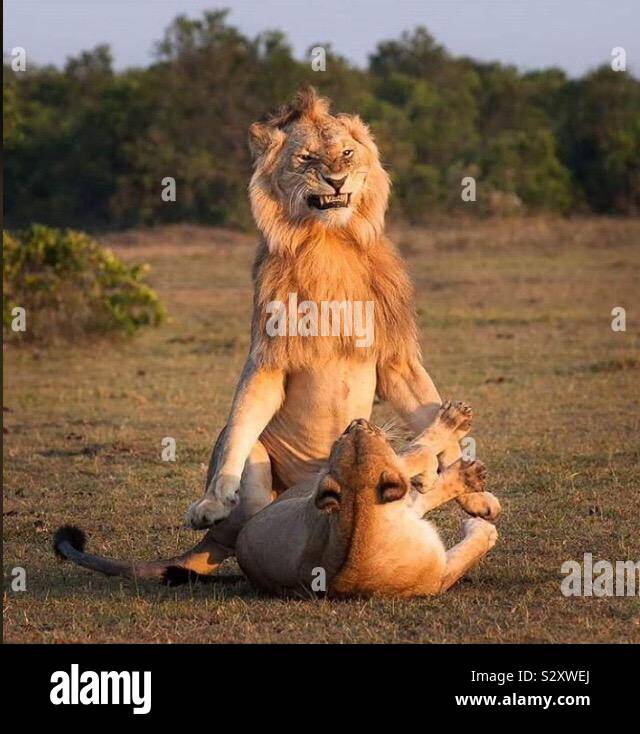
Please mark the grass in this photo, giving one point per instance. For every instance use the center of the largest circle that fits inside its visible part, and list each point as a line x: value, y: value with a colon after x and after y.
x: 514, y: 317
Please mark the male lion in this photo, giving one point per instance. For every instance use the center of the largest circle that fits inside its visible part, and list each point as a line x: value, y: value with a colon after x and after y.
x: 319, y: 196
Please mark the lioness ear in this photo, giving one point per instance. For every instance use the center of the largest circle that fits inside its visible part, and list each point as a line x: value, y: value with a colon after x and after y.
x: 328, y: 495
x: 262, y: 137
x: 391, y: 486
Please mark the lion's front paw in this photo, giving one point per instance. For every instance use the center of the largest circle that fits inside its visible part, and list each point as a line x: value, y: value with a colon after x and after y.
x: 205, y: 513
x: 218, y: 503
x: 225, y: 488
x: 480, y: 504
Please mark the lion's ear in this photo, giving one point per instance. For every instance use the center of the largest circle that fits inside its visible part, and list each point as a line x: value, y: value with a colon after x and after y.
x: 358, y: 130
x: 260, y: 137
x: 263, y: 137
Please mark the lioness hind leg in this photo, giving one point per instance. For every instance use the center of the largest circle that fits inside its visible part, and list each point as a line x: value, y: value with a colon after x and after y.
x: 462, y: 477
x: 477, y: 504
x: 452, y: 423
x: 420, y: 458
x: 479, y: 538
x: 254, y: 494
x: 480, y: 504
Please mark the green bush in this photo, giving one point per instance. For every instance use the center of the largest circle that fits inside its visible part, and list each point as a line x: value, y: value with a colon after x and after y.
x: 69, y: 285
x: 525, y: 164
x: 420, y: 191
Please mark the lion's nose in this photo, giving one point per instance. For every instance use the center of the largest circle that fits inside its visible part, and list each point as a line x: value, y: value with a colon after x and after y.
x: 337, y: 183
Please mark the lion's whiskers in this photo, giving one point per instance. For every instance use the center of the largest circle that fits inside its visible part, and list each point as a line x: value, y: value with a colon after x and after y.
x: 296, y: 196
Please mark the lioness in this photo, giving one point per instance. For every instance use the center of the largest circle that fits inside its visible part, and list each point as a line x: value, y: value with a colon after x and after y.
x: 319, y: 195
x: 359, y: 524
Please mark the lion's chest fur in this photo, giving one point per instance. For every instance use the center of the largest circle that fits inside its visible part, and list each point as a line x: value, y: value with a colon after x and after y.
x: 331, y: 379
x: 330, y: 269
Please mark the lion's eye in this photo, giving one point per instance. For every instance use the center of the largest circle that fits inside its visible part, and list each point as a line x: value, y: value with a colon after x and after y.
x: 347, y: 153
x: 305, y: 157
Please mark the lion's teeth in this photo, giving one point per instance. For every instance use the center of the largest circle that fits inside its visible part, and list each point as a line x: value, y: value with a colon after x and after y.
x: 326, y: 201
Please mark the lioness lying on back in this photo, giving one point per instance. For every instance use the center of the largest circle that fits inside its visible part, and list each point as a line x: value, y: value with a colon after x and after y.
x: 360, y: 521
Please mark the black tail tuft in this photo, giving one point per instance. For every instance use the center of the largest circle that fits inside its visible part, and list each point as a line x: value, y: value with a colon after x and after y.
x: 71, y: 535
x: 177, y: 576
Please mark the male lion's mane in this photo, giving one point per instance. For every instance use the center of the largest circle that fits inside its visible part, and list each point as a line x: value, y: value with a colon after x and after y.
x: 351, y: 263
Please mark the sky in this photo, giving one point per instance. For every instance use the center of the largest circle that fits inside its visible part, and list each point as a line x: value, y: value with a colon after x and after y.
x: 576, y: 35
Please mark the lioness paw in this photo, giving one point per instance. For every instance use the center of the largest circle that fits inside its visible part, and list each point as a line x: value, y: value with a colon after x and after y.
x: 481, y: 528
x: 456, y: 416
x: 473, y: 474
x: 480, y: 504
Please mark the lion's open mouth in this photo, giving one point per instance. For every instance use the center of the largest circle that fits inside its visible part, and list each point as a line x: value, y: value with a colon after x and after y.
x: 333, y: 201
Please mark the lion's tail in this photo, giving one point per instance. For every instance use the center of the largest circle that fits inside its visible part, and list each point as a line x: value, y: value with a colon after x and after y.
x: 69, y: 542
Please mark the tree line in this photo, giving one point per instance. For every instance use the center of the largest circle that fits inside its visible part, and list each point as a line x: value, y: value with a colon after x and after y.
x: 88, y: 146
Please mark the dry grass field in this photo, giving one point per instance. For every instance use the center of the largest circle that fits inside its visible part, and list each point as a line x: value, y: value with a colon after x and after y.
x: 514, y: 317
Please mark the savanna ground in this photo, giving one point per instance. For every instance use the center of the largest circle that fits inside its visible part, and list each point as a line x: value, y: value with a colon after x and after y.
x: 514, y: 317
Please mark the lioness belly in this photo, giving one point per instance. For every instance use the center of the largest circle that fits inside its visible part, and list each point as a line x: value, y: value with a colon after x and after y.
x: 318, y: 406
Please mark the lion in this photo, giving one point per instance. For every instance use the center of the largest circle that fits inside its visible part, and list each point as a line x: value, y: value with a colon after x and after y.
x: 319, y: 195
x: 357, y: 528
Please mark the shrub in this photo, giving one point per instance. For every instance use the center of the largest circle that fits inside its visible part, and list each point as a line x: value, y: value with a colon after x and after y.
x: 69, y: 285
x: 525, y: 164
x: 420, y: 191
